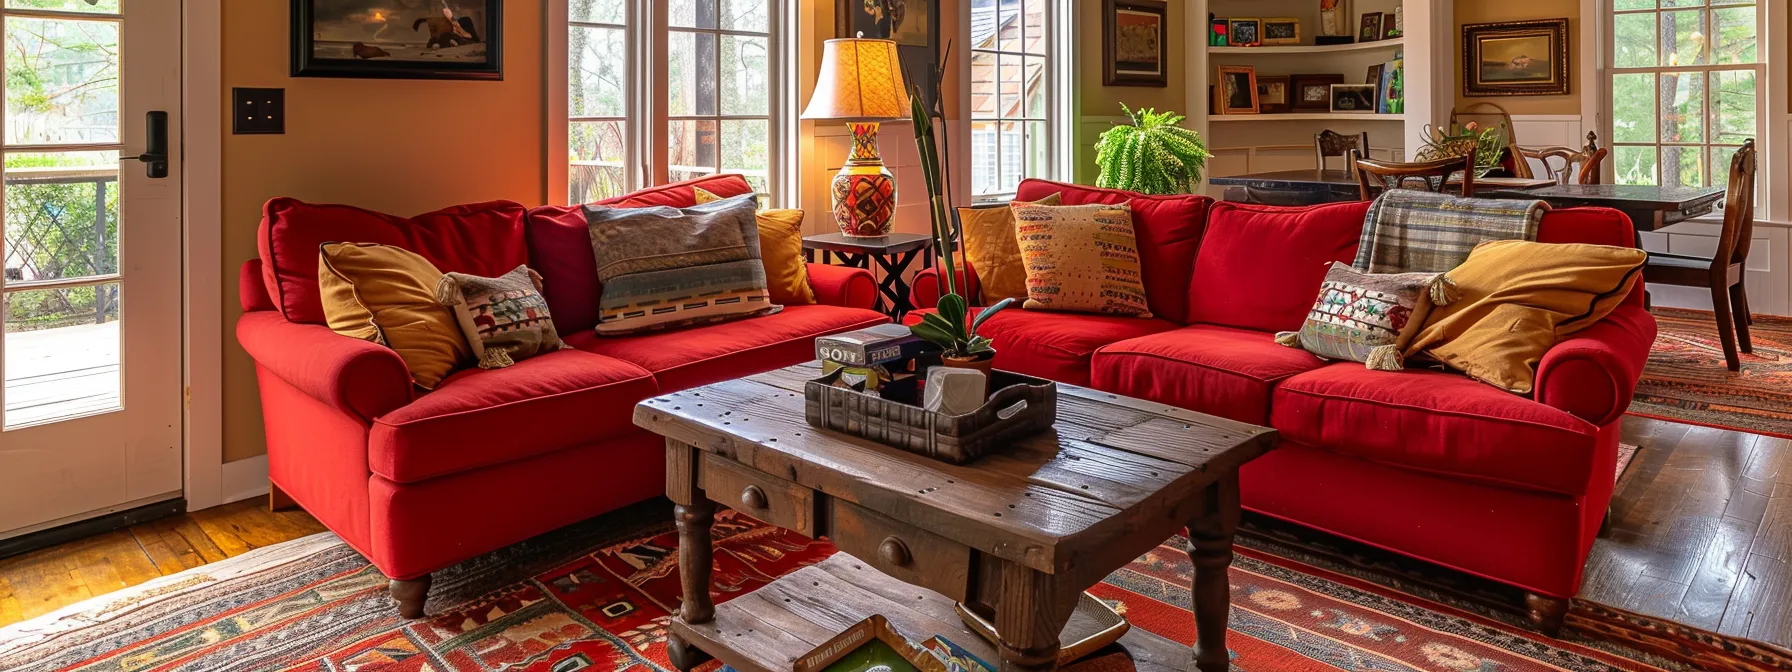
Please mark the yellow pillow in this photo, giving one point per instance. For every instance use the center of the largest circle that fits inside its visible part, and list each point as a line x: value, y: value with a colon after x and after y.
x: 781, y: 248
x: 994, y: 252
x: 1081, y: 258
x: 1511, y: 299
x: 387, y: 295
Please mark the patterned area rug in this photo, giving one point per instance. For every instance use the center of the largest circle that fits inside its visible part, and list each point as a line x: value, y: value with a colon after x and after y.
x: 583, y: 598
x: 1686, y: 381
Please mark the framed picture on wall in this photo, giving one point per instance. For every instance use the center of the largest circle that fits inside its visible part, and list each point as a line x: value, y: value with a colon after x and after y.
x: 453, y: 39
x: 1135, y: 43
x: 914, y: 25
x: 1524, y: 58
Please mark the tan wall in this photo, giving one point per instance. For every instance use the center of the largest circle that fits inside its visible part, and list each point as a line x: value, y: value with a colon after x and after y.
x: 398, y: 146
x: 1493, y: 11
x: 1104, y: 101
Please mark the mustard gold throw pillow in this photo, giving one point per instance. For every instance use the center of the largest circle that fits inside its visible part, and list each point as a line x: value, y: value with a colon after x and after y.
x: 387, y: 295
x: 1081, y: 258
x: 1502, y: 309
x: 994, y: 251
x: 781, y: 248
x: 701, y: 195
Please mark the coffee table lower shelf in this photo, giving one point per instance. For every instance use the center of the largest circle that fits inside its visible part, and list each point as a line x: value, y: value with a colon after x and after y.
x: 769, y: 629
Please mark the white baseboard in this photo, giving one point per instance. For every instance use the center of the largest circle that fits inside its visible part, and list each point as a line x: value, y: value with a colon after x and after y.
x: 244, y: 479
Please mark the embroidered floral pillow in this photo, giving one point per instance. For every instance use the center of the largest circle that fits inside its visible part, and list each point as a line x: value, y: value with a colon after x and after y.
x: 505, y: 319
x: 1364, y: 317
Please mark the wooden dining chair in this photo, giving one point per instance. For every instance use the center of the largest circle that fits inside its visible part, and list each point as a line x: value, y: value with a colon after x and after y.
x: 1723, y: 273
x: 1590, y: 160
x: 1491, y: 114
x: 1374, y: 177
x: 1330, y: 143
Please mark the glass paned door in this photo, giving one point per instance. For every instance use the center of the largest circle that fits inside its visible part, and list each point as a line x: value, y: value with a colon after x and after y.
x: 92, y: 259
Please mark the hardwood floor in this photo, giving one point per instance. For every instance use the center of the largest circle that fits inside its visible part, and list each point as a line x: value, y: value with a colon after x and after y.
x: 1700, y: 533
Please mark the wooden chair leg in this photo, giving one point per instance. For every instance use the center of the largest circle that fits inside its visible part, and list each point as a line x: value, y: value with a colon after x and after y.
x: 1739, y: 301
x: 278, y: 500
x: 410, y: 595
x: 1726, y: 326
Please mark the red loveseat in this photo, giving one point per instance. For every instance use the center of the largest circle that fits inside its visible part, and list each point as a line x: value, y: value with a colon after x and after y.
x: 1428, y: 464
x: 417, y: 481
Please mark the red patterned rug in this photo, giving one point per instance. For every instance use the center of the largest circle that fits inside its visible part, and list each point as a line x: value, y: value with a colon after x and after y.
x: 583, y: 598
x: 1686, y: 380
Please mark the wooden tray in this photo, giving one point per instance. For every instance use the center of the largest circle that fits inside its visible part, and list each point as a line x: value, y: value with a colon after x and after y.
x: 1092, y: 626
x: 1021, y: 406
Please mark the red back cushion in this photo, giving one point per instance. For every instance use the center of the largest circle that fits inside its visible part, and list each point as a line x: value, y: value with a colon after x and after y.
x: 484, y: 239
x: 560, y: 246
x: 1592, y: 226
x: 1261, y: 266
x: 1169, y: 232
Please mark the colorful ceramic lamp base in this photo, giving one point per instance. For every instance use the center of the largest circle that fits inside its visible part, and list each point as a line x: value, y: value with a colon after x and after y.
x: 864, y: 191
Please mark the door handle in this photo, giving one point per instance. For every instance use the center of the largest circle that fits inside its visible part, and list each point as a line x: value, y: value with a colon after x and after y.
x: 155, y: 154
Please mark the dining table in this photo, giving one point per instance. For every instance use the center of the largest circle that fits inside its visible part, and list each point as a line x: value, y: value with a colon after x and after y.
x: 1651, y: 208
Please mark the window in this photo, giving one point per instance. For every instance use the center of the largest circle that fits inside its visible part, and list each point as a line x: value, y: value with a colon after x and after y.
x: 722, y: 81
x: 1683, y: 88
x: 1015, y: 99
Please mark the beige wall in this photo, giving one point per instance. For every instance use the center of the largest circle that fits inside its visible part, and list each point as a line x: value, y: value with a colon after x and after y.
x: 1493, y: 11
x: 398, y: 146
x: 1104, y: 101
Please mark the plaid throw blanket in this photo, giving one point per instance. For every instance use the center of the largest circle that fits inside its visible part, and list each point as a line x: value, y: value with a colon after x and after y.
x: 1411, y: 231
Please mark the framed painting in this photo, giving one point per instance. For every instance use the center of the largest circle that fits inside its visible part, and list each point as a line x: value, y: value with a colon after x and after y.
x: 1281, y: 31
x: 1313, y: 93
x: 1524, y: 58
x: 914, y: 25
x: 1247, y: 32
x: 1135, y: 43
x: 1272, y: 94
x: 453, y: 39
x: 1370, y: 31
x: 1238, y: 90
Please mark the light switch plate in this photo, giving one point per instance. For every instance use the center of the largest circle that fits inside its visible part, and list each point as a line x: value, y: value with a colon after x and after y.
x: 258, y: 111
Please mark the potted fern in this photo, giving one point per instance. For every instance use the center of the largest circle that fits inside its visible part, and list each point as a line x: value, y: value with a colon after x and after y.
x: 1151, y: 156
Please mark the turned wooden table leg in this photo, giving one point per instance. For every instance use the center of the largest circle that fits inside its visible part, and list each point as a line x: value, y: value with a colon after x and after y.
x: 695, y: 515
x: 1210, y: 535
x: 410, y: 595
x: 1030, y: 611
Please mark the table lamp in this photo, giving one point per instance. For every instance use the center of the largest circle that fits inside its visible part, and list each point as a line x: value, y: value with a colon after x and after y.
x: 861, y: 84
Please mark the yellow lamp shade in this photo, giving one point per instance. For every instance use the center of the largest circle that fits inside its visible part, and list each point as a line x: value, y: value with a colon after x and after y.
x: 860, y: 80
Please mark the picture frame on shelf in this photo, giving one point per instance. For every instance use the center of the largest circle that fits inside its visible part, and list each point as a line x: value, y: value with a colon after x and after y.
x: 1390, y: 94
x: 1281, y: 31
x: 1387, y: 26
x: 1374, y: 77
x: 1217, y: 32
x: 1274, y: 94
x: 1245, y: 32
x: 1135, y: 43
x: 1353, y: 98
x: 1238, y: 90
x: 1370, y: 29
x: 1312, y: 93
x: 1518, y: 58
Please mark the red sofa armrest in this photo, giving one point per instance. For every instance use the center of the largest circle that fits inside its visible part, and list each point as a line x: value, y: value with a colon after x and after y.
x: 843, y: 286
x: 927, y: 287
x: 1593, y: 372
x: 361, y: 378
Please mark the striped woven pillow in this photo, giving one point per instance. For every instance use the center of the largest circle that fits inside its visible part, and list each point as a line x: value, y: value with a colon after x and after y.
x: 664, y: 268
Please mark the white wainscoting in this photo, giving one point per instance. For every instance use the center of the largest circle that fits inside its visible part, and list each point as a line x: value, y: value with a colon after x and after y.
x: 1549, y: 130
x: 1769, y: 291
x: 244, y: 479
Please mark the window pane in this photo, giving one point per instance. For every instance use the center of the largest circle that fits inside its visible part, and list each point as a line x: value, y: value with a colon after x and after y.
x: 1634, y: 4
x: 96, y: 6
x: 690, y: 73
x: 983, y: 84
x: 984, y: 169
x: 599, y: 153
x: 983, y: 24
x: 1733, y: 107
x: 1682, y: 166
x: 1634, y: 46
x: 1008, y: 25
x: 61, y: 353
x: 598, y: 75
x: 1010, y: 83
x: 61, y: 215
x: 1683, y: 107
x: 1033, y: 17
x: 750, y: 15
x: 1013, y: 156
x: 599, y: 11
x: 1683, y: 38
x: 692, y: 13
x: 692, y: 148
x: 1720, y: 165
x: 745, y: 75
x: 1735, y: 28
x: 1633, y: 108
x: 62, y: 81
x: 746, y: 149
x: 1034, y: 86
x: 1634, y: 165
x: 1039, y: 155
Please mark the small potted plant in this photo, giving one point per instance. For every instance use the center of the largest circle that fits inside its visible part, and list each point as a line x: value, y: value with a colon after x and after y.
x: 1487, y: 143
x: 1151, y: 156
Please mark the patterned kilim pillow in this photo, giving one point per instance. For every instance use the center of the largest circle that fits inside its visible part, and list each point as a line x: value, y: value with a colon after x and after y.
x: 505, y: 318
x: 1364, y: 317
x: 668, y: 267
x: 1080, y: 258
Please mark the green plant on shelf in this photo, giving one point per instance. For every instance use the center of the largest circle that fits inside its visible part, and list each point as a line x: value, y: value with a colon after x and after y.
x: 1487, y: 143
x: 1153, y: 155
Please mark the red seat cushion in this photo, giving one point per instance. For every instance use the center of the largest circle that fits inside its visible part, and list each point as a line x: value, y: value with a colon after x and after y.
x: 1056, y: 346
x: 479, y: 417
x: 1169, y: 232
x: 484, y: 239
x: 685, y: 358
x: 1438, y: 422
x: 1217, y: 370
x: 1261, y: 266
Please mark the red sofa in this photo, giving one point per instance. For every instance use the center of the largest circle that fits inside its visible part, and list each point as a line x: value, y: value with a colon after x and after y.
x: 417, y: 481
x: 1428, y: 464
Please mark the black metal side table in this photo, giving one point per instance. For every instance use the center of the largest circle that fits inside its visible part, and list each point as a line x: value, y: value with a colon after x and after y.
x: 894, y: 253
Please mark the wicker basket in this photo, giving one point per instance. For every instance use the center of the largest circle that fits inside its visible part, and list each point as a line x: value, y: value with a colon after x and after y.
x: 1021, y: 406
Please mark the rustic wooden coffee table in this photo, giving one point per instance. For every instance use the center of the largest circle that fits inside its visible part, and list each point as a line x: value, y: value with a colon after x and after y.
x: 1016, y: 536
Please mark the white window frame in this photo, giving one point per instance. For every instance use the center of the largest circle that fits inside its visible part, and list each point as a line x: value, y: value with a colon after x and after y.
x: 647, y: 111
x: 1059, y: 119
